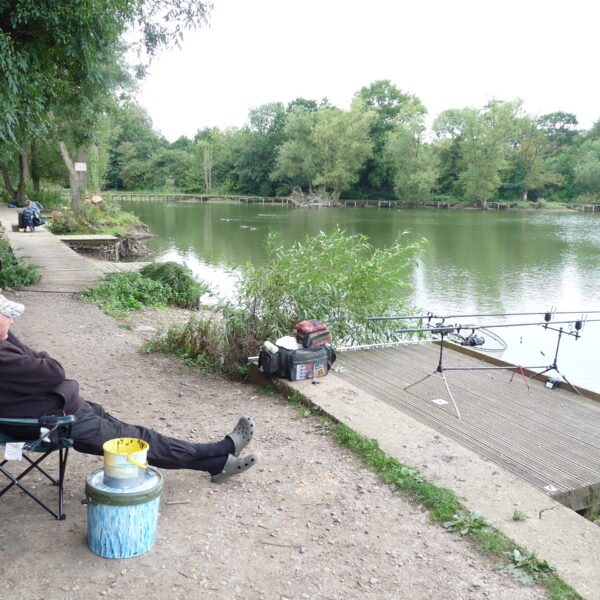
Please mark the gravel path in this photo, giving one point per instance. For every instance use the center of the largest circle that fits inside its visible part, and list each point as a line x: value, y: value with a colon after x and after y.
x: 309, y: 522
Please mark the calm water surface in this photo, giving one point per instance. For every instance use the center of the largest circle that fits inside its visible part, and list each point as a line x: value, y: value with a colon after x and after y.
x: 474, y: 262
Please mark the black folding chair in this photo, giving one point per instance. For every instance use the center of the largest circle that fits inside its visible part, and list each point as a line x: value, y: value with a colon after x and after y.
x: 53, y: 434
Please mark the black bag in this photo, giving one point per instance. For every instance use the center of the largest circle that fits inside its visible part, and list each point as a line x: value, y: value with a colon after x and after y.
x: 269, y: 363
x: 312, y: 333
x: 296, y: 365
x: 38, y: 220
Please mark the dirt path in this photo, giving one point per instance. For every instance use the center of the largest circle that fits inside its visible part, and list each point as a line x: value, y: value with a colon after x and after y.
x: 309, y: 522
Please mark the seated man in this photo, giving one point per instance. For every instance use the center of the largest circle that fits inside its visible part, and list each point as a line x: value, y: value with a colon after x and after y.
x: 32, y: 384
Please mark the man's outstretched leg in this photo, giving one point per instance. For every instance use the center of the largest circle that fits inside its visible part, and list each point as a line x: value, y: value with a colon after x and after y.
x: 94, y: 426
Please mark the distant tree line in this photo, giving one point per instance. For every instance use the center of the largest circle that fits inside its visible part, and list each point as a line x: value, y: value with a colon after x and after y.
x: 378, y: 149
x: 67, y: 96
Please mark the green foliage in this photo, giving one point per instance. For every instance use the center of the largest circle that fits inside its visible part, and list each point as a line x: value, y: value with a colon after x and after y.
x: 518, y: 515
x: 184, y: 289
x: 326, y: 148
x: 526, y: 567
x: 58, y: 54
x: 123, y: 292
x: 106, y: 217
x: 12, y: 272
x: 464, y: 523
x: 196, y: 343
x: 413, y: 163
x: 392, y: 110
x: 337, y: 278
x: 295, y: 398
x: 157, y: 286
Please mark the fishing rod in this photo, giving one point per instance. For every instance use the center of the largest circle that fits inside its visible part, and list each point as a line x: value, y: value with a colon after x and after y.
x: 446, y: 328
x: 429, y: 316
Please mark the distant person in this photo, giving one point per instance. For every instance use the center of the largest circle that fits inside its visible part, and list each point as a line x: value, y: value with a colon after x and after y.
x: 29, y: 215
x: 32, y: 385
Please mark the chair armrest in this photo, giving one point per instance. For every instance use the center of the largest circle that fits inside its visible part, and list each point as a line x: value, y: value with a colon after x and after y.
x: 69, y: 419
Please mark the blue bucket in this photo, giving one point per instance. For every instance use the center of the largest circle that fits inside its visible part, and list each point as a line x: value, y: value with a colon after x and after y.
x: 122, y: 522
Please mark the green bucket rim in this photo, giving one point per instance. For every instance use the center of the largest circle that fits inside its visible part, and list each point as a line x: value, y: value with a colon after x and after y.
x: 123, y: 498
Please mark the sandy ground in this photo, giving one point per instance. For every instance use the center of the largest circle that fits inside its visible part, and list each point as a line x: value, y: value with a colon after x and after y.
x: 308, y: 522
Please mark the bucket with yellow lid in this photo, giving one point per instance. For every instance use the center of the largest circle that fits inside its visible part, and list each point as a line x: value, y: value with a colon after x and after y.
x: 125, y: 462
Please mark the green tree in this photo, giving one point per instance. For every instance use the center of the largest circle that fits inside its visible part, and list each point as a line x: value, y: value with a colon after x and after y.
x: 296, y: 158
x: 133, y: 145
x: 390, y: 108
x: 254, y: 153
x: 560, y: 129
x: 483, y: 138
x: 414, y: 163
x: 587, y: 170
x: 60, y: 61
x: 207, y: 153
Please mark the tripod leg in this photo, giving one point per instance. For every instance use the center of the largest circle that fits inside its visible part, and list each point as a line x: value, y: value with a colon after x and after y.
x: 574, y: 388
x: 550, y: 368
x: 450, y: 394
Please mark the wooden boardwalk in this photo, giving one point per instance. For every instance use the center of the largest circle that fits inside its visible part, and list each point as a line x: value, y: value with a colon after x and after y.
x: 61, y: 268
x: 548, y: 437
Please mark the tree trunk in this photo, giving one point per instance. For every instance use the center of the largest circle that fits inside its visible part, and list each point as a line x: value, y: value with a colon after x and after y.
x: 23, y: 175
x: 77, y: 179
x: 35, y: 171
x: 7, y: 182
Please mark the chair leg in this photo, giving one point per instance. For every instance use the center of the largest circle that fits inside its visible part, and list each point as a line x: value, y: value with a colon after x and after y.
x: 63, y: 454
x: 62, y: 464
x: 42, y: 471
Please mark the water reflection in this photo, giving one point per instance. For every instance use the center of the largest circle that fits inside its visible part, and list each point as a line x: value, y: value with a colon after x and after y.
x: 475, y: 262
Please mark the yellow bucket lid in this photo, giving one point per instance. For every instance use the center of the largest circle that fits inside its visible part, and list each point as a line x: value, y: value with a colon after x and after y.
x: 124, y: 446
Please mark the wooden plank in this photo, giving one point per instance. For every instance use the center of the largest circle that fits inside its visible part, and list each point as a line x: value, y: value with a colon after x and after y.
x: 549, y: 437
x: 88, y: 238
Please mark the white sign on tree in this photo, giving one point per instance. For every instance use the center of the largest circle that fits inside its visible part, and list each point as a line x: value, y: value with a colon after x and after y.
x: 81, y: 166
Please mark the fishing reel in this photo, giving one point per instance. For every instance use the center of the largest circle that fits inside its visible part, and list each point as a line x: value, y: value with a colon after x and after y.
x: 473, y: 340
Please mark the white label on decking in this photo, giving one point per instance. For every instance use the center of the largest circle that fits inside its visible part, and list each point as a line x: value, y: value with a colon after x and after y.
x: 439, y: 401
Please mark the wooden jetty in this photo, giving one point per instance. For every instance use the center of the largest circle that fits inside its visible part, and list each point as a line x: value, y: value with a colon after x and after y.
x: 548, y: 437
x: 588, y: 207
x: 61, y: 268
x: 95, y: 239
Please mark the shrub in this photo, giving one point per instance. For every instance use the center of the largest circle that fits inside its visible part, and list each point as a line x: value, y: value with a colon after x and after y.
x: 196, y: 343
x: 12, y: 272
x: 337, y: 278
x: 105, y: 217
x: 122, y: 292
x: 182, y: 287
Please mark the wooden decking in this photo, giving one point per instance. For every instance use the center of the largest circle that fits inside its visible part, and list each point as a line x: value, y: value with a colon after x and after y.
x: 548, y: 437
x: 61, y: 268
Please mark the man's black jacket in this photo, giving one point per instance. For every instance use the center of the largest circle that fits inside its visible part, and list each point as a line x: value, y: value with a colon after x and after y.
x: 32, y: 384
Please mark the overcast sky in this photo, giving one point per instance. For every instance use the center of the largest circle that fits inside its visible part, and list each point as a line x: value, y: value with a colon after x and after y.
x: 449, y: 53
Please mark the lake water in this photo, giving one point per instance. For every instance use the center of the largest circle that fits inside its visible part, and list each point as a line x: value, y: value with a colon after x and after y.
x: 474, y: 262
